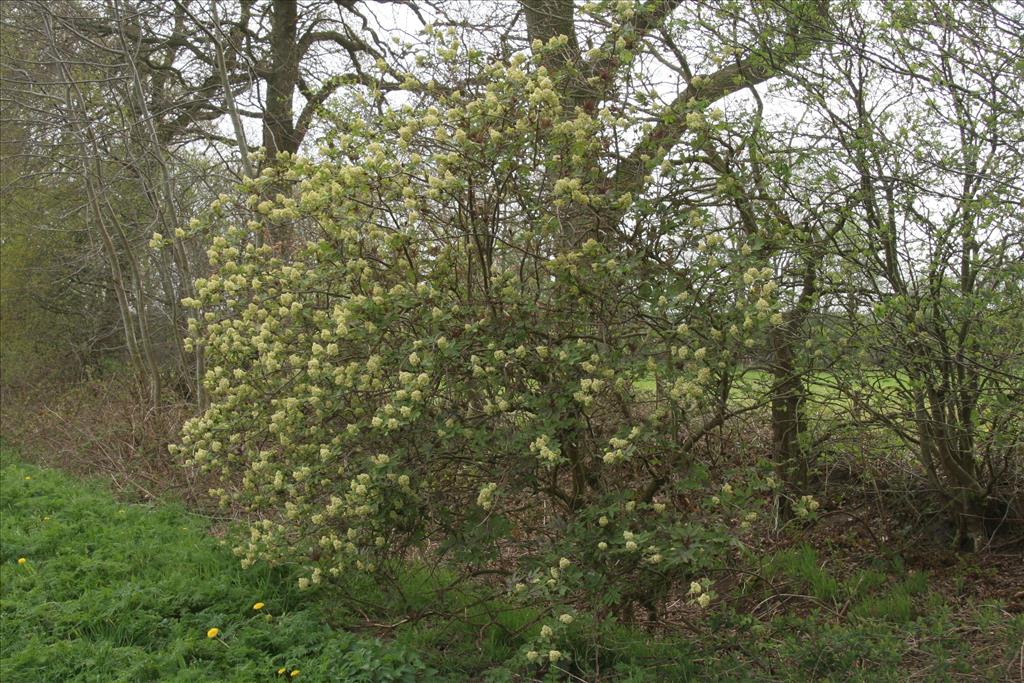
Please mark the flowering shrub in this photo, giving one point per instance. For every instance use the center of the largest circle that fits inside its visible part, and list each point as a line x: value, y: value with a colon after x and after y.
x: 469, y: 352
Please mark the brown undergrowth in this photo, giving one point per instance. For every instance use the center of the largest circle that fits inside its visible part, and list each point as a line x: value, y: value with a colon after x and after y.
x: 97, y: 428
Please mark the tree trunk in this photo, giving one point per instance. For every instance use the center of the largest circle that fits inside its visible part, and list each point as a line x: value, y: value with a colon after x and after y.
x: 788, y: 424
x: 279, y: 133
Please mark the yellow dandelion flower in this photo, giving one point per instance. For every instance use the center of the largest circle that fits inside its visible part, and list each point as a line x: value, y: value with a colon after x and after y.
x: 22, y: 560
x: 280, y: 672
x: 213, y: 632
x: 294, y: 673
x: 258, y: 606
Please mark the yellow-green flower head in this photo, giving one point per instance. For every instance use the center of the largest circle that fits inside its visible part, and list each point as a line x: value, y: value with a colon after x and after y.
x: 213, y: 632
x: 258, y: 606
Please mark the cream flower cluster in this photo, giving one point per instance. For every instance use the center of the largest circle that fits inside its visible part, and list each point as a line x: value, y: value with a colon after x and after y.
x: 431, y: 332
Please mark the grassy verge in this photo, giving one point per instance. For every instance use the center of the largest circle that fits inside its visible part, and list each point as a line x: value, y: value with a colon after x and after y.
x: 112, y: 592
x: 116, y: 592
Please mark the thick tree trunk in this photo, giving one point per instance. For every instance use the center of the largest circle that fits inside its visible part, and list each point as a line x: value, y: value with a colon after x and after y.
x: 279, y: 134
x: 788, y: 424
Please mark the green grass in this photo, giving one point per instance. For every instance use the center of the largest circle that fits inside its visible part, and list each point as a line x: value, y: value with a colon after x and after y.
x: 116, y: 592
x: 462, y: 631
x: 875, y: 624
x: 112, y: 592
x: 800, y: 565
x: 821, y: 387
x: 470, y: 636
